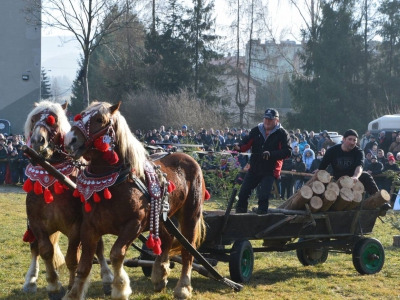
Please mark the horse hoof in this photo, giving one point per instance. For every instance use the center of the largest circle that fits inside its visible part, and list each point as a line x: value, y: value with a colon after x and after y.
x: 56, y: 295
x: 107, y: 289
x: 30, y: 288
x: 160, y: 286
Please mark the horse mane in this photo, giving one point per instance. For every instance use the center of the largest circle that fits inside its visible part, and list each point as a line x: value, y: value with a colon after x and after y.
x: 131, y: 150
x: 55, y: 108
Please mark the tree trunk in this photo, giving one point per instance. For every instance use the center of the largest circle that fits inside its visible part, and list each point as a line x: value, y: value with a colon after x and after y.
x: 328, y: 199
x: 376, y: 200
x: 315, y: 204
x: 334, y: 187
x: 358, y: 186
x: 358, y: 196
x: 298, y: 200
x: 320, y: 175
x: 346, y: 196
x: 345, y: 182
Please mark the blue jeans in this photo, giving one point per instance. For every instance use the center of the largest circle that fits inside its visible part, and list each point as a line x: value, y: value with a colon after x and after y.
x: 250, y: 182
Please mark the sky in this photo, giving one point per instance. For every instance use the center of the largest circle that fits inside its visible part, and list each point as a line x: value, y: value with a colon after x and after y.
x: 61, y: 59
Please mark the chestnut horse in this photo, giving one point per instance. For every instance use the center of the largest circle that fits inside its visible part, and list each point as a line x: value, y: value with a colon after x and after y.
x: 127, y: 212
x: 53, y: 210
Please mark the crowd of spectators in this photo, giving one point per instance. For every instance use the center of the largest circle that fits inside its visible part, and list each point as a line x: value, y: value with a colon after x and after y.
x: 12, y: 160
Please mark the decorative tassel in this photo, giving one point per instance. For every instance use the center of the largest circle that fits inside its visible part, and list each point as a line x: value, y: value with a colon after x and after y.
x: 107, y: 194
x: 157, y: 246
x: 78, y: 117
x: 48, y: 197
x: 171, y: 186
x: 37, y: 188
x: 28, y: 237
x: 82, y: 198
x: 58, y: 188
x: 76, y: 193
x: 50, y: 120
x: 88, y: 208
x: 100, y: 145
x: 150, y: 241
x: 96, y: 197
x: 28, y: 186
x: 111, y: 157
x: 207, y: 196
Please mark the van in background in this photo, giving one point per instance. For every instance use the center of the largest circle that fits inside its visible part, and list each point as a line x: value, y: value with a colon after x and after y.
x: 387, y: 123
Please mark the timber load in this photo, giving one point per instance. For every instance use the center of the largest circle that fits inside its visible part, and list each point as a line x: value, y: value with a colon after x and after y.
x: 322, y: 194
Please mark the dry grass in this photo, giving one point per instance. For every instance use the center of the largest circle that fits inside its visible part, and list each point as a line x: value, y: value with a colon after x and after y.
x: 276, y: 275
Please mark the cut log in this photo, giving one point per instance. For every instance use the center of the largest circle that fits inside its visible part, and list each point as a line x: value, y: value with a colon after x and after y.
x: 320, y: 175
x: 328, y: 198
x: 344, y: 199
x: 334, y: 187
x: 358, y: 196
x: 376, y: 200
x: 358, y: 186
x: 318, y: 187
x: 345, y: 182
x: 315, y: 204
x: 298, y: 200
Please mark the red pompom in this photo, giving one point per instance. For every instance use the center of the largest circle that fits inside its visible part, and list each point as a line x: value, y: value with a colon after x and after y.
x: 96, y: 197
x: 207, y: 196
x: 65, y: 187
x: 48, y: 197
x: 37, y: 188
x: 100, y: 145
x: 82, y: 198
x: 78, y: 117
x: 28, y: 237
x: 157, y: 246
x: 58, y: 188
x: 150, y: 241
x: 50, y: 120
x: 111, y: 157
x: 76, y: 193
x: 107, y: 194
x: 88, y: 208
x: 28, y: 186
x: 171, y: 187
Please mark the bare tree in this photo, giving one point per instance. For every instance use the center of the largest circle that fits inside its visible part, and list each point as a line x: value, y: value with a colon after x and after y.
x: 89, y: 21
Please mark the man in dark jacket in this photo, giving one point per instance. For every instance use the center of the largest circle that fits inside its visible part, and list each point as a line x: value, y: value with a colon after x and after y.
x: 376, y: 168
x: 270, y: 145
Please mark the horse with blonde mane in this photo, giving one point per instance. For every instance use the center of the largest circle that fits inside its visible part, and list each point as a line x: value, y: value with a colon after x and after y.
x: 116, y: 205
x: 50, y: 206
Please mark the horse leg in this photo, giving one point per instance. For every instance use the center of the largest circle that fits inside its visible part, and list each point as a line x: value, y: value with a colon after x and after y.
x: 81, y: 282
x: 73, y: 253
x: 107, y: 276
x: 160, y: 273
x: 30, y: 285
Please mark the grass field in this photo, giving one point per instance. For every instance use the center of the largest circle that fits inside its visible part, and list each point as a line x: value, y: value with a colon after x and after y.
x: 275, y: 276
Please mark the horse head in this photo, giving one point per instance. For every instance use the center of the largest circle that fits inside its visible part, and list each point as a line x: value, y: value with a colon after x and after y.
x: 101, y: 135
x: 46, y: 126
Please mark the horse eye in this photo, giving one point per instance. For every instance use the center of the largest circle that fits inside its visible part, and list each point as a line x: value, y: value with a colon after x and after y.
x: 99, y: 120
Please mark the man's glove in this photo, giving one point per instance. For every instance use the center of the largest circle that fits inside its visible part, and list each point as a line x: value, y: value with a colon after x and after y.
x: 266, y: 155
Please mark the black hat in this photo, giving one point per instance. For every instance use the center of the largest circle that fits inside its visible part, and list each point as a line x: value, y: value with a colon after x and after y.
x: 230, y: 133
x: 271, y: 113
x: 350, y: 132
x: 373, y: 157
x: 372, y: 137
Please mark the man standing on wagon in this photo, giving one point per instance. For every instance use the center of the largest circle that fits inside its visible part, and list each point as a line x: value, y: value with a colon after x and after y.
x: 270, y: 145
x: 348, y: 159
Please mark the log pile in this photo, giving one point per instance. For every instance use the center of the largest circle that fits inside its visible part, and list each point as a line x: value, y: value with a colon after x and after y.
x: 322, y: 194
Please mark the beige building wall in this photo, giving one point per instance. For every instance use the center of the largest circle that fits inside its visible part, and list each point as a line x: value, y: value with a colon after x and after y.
x: 20, y: 51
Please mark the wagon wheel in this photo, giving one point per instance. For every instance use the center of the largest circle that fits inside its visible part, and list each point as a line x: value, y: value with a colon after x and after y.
x: 368, y: 256
x: 241, y: 261
x: 311, y: 256
x: 146, y: 270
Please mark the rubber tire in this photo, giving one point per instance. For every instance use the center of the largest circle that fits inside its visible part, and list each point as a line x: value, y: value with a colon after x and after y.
x: 362, y: 260
x: 146, y: 270
x: 310, y: 256
x: 241, y: 261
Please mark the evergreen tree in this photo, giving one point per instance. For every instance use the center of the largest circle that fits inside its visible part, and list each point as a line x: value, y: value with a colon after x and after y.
x: 45, y: 86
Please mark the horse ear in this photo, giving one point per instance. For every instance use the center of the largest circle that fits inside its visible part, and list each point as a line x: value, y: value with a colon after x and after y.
x: 65, y: 105
x: 115, y: 108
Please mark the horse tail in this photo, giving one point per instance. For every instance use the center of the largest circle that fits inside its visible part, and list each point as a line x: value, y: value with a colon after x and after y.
x: 58, y: 257
x: 200, y: 234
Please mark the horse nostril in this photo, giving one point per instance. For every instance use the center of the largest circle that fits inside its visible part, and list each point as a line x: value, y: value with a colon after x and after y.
x: 73, y: 141
x: 42, y: 140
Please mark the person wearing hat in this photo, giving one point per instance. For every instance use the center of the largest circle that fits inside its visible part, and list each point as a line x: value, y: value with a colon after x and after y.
x: 230, y: 140
x: 348, y: 159
x: 322, y: 140
x: 376, y: 168
x: 270, y: 145
x: 383, y: 141
x: 372, y: 141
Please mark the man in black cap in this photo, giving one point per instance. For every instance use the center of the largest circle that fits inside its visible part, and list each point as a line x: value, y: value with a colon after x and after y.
x: 348, y: 159
x: 270, y: 145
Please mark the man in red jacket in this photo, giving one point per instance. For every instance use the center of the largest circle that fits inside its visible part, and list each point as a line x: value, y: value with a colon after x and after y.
x: 270, y: 145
